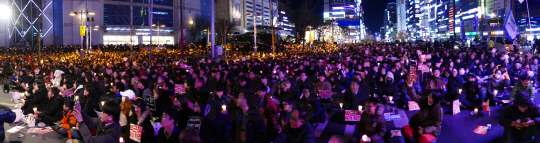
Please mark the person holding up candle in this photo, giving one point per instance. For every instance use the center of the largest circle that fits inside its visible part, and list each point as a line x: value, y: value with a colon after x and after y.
x: 353, y: 96
x: 425, y: 125
x: 38, y: 98
x: 496, y: 88
x: 372, y: 122
x: 108, y: 128
x: 519, y: 120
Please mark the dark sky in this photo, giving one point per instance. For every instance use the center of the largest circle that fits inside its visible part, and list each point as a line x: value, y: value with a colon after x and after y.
x: 373, y: 12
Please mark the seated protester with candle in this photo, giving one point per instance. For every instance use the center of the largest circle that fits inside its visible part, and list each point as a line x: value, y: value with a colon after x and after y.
x: 425, y: 125
x: 169, y: 132
x: 372, y: 123
x: 68, y: 121
x: 140, y: 117
x: 248, y: 125
x: 312, y: 105
x: 387, y: 88
x: 519, y: 120
x: 496, y: 88
x: 92, y: 101
x: 299, y: 130
x: 37, y: 98
x: 52, y: 112
x: 470, y: 96
x: 455, y: 82
x: 108, y: 128
x: 353, y: 96
x: 523, y: 86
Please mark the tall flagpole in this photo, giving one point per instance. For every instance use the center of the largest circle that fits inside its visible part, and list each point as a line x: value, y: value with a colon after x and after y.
x: 529, y: 17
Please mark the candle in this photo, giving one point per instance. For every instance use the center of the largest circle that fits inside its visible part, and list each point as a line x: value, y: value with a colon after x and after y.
x: 475, y: 111
x: 224, y: 107
x: 35, y: 109
x: 495, y: 92
x: 365, y: 138
x: 121, y: 140
x: 76, y: 98
x: 111, y: 84
x: 102, y: 103
x: 459, y: 91
x: 390, y: 98
x: 401, y: 73
x: 359, y: 107
x: 26, y: 92
x: 341, y: 105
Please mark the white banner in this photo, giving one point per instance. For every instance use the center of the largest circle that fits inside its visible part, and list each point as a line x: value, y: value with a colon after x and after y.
x: 510, y: 26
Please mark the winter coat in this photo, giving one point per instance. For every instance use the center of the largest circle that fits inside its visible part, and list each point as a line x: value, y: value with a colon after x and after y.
x: 38, y: 99
x: 144, y: 121
x: 53, y: 111
x: 388, y: 88
x: 429, y: 118
x: 303, y: 134
x: 519, y: 88
x: 6, y: 116
x: 352, y: 100
x: 374, y: 126
x: 104, y: 134
x: 68, y: 121
x: 512, y: 113
x: 254, y: 126
x: 454, y: 84
x: 171, y: 138
x: 435, y: 83
x: 497, y: 84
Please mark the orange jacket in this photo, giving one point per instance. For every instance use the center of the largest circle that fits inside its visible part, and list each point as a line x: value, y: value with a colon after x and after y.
x: 69, y: 121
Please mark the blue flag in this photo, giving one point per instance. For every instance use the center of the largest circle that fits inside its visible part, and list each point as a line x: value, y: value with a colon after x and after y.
x: 510, y: 26
x: 463, y: 36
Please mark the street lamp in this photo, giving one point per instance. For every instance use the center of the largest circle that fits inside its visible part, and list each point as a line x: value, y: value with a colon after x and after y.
x: 255, y: 30
x: 190, y: 22
x: 154, y: 25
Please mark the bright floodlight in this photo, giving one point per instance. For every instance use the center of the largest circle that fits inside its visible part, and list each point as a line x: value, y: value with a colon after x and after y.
x: 6, y: 12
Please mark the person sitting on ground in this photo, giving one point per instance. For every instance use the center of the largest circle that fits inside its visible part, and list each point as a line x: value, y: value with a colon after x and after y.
x: 69, y: 121
x: 497, y: 83
x: 425, y: 125
x: 523, y: 86
x: 471, y: 96
x: 108, y: 128
x: 372, y: 122
x: 298, y: 131
x: 37, y: 98
x: 139, y: 116
x: 52, y: 112
x: 519, y: 120
x: 169, y: 132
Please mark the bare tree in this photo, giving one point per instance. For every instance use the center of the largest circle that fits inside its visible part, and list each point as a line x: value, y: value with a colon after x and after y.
x: 224, y: 26
x: 199, y: 24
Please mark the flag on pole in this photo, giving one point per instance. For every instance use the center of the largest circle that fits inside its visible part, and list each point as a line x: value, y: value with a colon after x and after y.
x: 463, y: 37
x: 475, y: 22
x: 510, y: 26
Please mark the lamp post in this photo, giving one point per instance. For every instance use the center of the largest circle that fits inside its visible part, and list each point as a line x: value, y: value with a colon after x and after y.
x: 254, y: 30
x: 87, y: 13
x: 158, y: 32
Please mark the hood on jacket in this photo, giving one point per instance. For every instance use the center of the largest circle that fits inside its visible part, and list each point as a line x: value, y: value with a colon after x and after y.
x: 128, y: 93
x: 389, y: 74
x: 380, y: 109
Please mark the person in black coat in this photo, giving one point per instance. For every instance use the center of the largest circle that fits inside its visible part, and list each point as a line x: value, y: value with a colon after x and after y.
x: 139, y: 118
x: 92, y: 101
x: 162, y: 102
x: 38, y: 98
x: 248, y: 124
x: 471, y: 97
x: 53, y: 111
x: 519, y: 120
x: 353, y: 96
x: 169, y: 132
x: 299, y: 130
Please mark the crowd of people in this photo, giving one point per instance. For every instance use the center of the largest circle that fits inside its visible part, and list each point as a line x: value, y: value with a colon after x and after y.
x: 271, y: 98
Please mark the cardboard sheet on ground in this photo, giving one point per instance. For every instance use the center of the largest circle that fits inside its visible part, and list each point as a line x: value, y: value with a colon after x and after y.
x: 481, y: 130
x: 352, y: 115
x: 455, y: 107
x: 135, y: 132
x: 15, y: 129
x: 413, y: 106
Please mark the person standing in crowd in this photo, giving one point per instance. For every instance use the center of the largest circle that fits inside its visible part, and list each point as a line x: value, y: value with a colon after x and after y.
x: 169, y: 132
x: 248, y: 124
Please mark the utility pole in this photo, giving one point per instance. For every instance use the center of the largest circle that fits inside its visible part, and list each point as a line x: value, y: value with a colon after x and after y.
x: 181, y: 29
x: 213, y: 28
x: 151, y: 29
x: 272, y: 26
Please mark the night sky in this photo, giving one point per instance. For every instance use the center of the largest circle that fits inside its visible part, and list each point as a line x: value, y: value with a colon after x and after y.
x: 373, y: 12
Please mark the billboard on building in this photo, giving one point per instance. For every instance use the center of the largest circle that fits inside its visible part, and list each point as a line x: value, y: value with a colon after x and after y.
x: 236, y: 12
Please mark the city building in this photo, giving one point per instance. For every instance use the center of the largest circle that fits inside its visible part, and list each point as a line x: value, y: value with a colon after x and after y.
x: 390, y: 22
x: 401, y: 17
x: 105, y: 21
x: 346, y: 13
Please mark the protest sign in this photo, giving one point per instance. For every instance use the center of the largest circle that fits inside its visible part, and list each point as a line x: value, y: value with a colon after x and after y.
x: 455, y: 107
x: 352, y: 115
x: 413, y: 106
x: 135, y: 132
x: 179, y: 89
